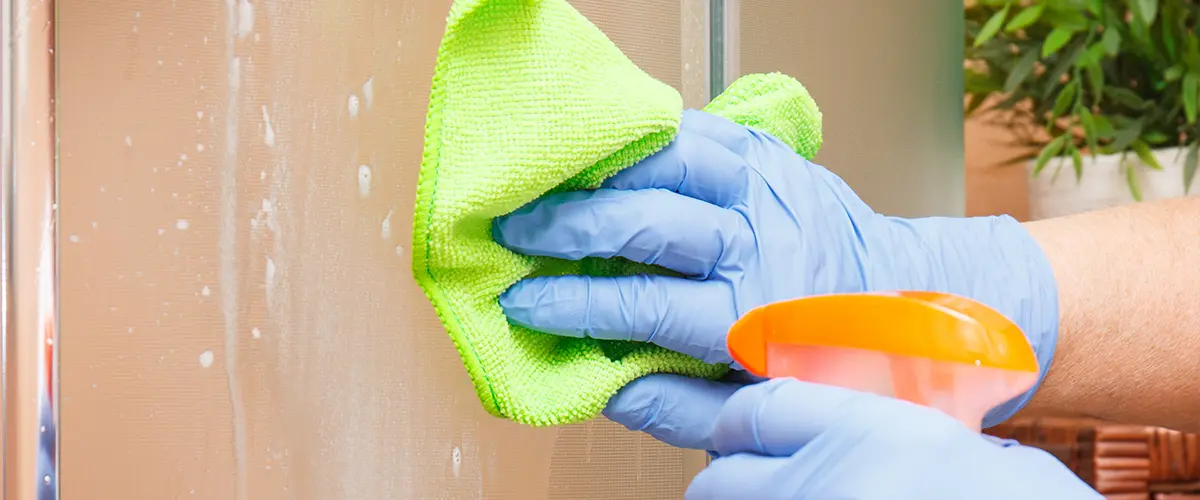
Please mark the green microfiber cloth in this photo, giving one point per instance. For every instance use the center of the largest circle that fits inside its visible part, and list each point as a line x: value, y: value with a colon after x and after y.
x: 529, y: 98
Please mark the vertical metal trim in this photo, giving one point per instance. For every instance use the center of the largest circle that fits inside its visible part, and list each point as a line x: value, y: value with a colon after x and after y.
x: 731, y: 50
x: 28, y: 251
x: 6, y: 210
x: 716, y: 47
x: 725, y: 20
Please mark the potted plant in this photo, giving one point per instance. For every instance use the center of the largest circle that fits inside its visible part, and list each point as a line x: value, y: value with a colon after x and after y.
x: 1103, y: 90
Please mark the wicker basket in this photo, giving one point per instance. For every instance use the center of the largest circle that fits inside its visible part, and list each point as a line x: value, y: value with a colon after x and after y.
x: 1122, y: 462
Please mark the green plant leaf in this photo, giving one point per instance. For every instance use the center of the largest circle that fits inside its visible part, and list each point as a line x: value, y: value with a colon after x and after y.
x: 1173, y: 73
x: 1055, y: 40
x: 973, y: 105
x: 1125, y: 97
x: 1051, y: 150
x: 979, y: 83
x: 992, y: 26
x: 1055, y: 73
x: 1020, y: 71
x: 1155, y: 137
x: 1111, y: 40
x: 1146, y: 10
x: 1026, y: 17
x: 1122, y: 138
x: 1191, y: 53
x: 1093, y: 55
x: 1065, y: 99
x: 1190, y: 87
x: 1104, y: 127
x: 1131, y: 178
x: 1068, y: 18
x: 1145, y: 154
x: 1166, y: 33
x: 1089, y: 130
x: 1096, y: 78
x: 1189, y: 166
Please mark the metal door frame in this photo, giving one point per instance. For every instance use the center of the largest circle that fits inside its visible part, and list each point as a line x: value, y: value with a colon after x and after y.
x: 28, y: 251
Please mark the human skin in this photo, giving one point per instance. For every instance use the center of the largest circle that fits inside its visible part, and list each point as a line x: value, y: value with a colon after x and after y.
x: 1129, y: 304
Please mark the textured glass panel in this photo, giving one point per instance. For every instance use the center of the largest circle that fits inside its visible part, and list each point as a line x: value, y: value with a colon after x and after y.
x: 238, y: 312
x: 887, y: 76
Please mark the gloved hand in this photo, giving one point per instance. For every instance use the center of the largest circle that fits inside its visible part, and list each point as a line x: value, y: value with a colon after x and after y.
x: 749, y: 222
x: 785, y: 439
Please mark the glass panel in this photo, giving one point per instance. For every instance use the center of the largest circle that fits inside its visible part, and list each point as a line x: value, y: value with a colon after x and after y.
x: 241, y: 321
x: 888, y: 79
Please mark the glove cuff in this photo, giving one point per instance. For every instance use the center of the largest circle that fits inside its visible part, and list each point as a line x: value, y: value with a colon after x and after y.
x: 1036, y: 312
x: 993, y: 260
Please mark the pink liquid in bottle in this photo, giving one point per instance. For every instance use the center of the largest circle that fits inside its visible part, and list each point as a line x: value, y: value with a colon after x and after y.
x: 965, y: 392
x: 933, y: 349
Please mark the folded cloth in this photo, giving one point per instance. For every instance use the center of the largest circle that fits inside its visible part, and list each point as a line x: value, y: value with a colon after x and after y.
x: 528, y: 98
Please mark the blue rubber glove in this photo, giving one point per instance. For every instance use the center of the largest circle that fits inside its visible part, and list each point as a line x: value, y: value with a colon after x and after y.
x: 785, y: 439
x: 748, y: 222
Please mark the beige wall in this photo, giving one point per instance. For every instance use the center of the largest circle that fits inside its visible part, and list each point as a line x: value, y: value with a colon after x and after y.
x: 993, y: 189
x: 239, y: 321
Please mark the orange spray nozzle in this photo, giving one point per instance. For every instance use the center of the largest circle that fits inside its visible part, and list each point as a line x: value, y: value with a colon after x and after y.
x: 939, y: 350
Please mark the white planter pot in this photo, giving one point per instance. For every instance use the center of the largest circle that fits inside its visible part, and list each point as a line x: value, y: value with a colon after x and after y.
x: 1103, y: 183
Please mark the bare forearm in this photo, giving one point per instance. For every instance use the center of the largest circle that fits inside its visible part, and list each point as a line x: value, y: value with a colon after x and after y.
x: 1129, y: 301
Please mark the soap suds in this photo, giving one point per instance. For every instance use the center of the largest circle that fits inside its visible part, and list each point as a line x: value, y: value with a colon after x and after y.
x: 235, y: 77
x: 269, y: 132
x: 245, y: 18
x: 368, y: 90
x: 236, y: 19
x: 270, y: 277
x: 364, y: 180
x: 205, y: 291
x: 352, y: 105
x: 182, y: 224
x: 255, y: 332
x: 386, y: 229
x: 265, y: 216
x: 206, y: 359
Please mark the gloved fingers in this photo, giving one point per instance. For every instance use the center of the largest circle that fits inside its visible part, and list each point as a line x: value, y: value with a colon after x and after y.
x: 676, y: 410
x: 692, y: 165
x: 653, y: 226
x: 744, y: 475
x: 734, y: 137
x: 780, y: 416
x: 686, y: 316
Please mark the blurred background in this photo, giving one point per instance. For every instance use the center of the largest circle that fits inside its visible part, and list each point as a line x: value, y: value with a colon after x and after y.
x: 1076, y: 105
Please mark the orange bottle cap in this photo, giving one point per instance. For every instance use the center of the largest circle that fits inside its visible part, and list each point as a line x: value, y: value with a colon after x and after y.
x: 938, y: 326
